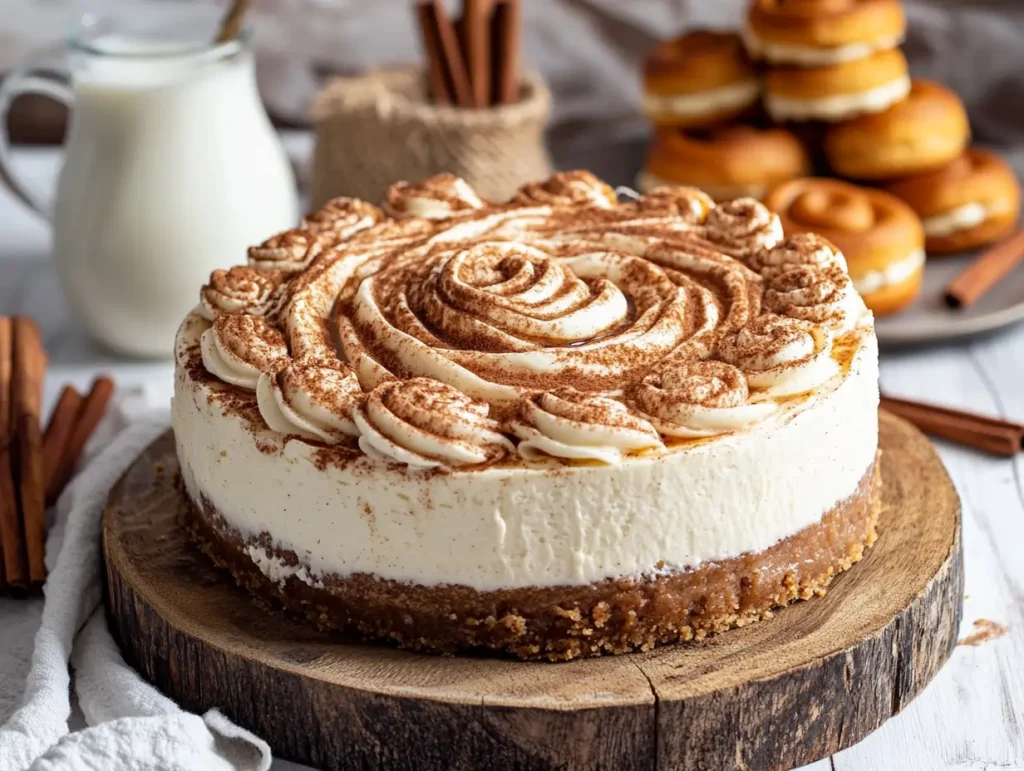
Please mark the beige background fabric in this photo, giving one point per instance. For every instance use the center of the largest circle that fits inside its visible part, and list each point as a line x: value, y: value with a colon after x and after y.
x: 588, y: 50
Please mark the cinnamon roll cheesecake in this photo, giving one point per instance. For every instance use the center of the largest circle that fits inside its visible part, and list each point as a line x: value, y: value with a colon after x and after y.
x: 557, y: 426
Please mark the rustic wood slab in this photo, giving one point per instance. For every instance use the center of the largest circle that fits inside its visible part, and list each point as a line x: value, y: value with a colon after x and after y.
x: 777, y: 694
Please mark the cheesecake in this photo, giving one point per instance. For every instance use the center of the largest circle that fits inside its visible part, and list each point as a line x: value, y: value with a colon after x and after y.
x: 559, y: 426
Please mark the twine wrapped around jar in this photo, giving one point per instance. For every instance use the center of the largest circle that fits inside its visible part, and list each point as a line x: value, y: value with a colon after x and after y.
x: 380, y: 128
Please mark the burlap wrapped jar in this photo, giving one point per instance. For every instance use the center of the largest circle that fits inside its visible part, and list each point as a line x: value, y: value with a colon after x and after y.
x: 380, y: 128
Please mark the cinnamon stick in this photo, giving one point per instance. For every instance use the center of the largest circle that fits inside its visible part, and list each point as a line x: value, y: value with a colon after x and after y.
x: 506, y: 29
x: 985, y: 272
x: 991, y: 435
x: 231, y: 24
x: 58, y: 432
x: 476, y: 26
x: 436, y: 17
x: 11, y: 540
x: 27, y: 393
x: 437, y: 75
x: 88, y: 418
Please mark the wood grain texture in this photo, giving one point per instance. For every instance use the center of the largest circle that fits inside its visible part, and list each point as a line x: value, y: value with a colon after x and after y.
x: 817, y: 678
x: 972, y: 718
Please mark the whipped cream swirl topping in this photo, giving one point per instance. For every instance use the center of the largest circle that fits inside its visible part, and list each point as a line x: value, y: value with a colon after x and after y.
x: 569, y: 424
x: 343, y: 217
x: 240, y: 290
x: 798, y: 249
x: 239, y: 348
x: 742, y: 227
x: 291, y: 251
x: 824, y: 296
x: 689, y: 204
x: 313, y: 399
x: 495, y: 318
x: 560, y: 325
x: 425, y: 423
x: 567, y: 188
x: 781, y: 356
x: 438, y: 197
x: 699, y: 398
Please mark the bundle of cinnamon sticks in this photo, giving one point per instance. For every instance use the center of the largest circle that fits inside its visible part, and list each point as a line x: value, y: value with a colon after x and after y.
x: 34, y: 468
x: 474, y: 60
x: 979, y: 432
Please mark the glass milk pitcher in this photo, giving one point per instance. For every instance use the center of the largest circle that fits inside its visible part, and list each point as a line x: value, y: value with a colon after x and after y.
x: 171, y: 169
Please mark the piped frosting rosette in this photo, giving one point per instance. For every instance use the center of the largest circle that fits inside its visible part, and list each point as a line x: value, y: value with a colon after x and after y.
x: 291, y: 251
x: 579, y: 426
x: 312, y: 399
x: 780, y: 356
x: 425, y: 423
x: 240, y: 290
x: 562, y: 326
x: 699, y: 398
x: 342, y: 217
x: 238, y: 348
x: 439, y: 197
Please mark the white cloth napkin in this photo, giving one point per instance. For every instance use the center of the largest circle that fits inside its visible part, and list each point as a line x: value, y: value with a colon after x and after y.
x: 130, y: 725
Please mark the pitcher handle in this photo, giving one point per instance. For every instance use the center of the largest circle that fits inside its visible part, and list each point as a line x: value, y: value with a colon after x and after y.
x: 27, y: 79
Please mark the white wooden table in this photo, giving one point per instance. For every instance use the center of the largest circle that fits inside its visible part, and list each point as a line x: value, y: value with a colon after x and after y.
x: 970, y: 717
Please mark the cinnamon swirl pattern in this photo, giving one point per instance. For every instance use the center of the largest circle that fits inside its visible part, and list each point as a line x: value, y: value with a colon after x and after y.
x: 562, y: 326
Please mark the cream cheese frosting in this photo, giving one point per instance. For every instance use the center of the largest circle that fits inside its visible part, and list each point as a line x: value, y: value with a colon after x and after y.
x: 735, y: 96
x: 840, y: 106
x: 895, y: 272
x: 552, y: 391
x: 962, y: 218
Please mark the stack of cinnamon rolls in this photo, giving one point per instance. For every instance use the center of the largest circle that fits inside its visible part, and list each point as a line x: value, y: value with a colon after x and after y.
x: 822, y: 87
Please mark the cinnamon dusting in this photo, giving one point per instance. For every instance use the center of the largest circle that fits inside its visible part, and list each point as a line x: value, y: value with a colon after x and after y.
x: 563, y: 288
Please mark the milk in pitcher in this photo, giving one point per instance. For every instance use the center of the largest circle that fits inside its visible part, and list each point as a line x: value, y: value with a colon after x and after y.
x: 171, y: 170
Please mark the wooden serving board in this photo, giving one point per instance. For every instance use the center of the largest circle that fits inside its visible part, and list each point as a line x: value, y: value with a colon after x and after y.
x: 817, y: 678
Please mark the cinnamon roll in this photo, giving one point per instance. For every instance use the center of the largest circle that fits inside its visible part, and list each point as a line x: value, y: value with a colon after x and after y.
x: 838, y: 92
x: 880, y: 236
x: 698, y: 79
x: 731, y: 162
x: 966, y: 204
x: 820, y: 33
x: 920, y: 133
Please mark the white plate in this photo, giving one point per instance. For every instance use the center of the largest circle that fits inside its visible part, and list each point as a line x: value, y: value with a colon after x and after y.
x: 929, y: 320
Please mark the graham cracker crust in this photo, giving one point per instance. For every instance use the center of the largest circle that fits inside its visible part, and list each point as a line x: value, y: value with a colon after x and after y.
x: 566, y: 622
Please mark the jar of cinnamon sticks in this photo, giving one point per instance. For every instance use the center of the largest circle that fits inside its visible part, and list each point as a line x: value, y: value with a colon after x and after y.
x: 470, y: 111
